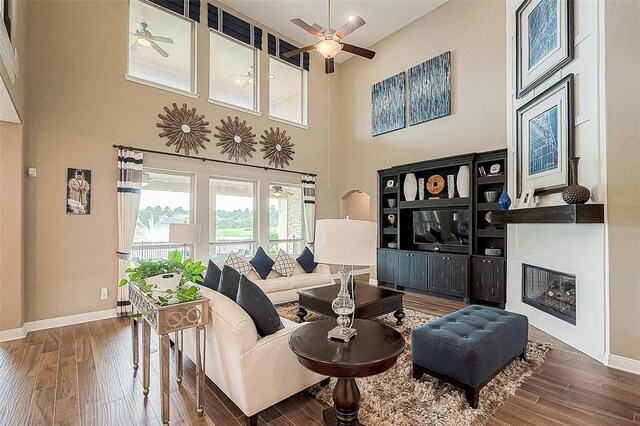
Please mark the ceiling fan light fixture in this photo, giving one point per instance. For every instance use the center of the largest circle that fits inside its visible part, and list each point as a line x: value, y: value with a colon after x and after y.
x: 328, y: 48
x: 144, y: 42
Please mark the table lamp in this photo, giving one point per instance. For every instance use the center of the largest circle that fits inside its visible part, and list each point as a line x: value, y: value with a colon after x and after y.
x: 184, y: 233
x: 344, y: 242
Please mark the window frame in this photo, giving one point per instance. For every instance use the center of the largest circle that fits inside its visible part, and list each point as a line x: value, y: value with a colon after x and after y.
x: 255, y: 242
x: 8, y: 54
x: 304, y: 105
x: 302, y: 238
x: 192, y: 206
x: 257, y: 71
x: 193, y: 92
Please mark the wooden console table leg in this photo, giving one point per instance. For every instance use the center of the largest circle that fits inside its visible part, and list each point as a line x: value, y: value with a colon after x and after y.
x: 201, y: 349
x: 399, y: 314
x: 302, y: 312
x: 135, y: 338
x: 164, y: 376
x: 146, y: 353
x: 179, y: 360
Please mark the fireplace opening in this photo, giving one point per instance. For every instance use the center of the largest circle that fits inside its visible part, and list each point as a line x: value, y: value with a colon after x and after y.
x: 550, y: 291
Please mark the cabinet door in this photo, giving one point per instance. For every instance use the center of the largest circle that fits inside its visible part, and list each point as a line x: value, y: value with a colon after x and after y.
x: 387, y: 266
x: 420, y: 269
x: 458, y: 275
x: 499, y: 282
x: 489, y: 279
x: 436, y: 273
x: 405, y: 269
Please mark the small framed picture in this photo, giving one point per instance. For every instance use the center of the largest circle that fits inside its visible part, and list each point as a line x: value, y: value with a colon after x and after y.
x: 482, y: 171
x: 391, y: 183
x: 526, y: 199
x: 78, y: 191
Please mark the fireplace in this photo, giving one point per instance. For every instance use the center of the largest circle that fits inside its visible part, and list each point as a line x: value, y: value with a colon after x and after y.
x: 550, y: 291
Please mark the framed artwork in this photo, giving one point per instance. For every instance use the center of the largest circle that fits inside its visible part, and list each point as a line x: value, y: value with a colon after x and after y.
x: 387, y: 105
x: 545, y: 139
x: 544, y: 41
x: 78, y: 191
x: 526, y: 199
x: 430, y: 89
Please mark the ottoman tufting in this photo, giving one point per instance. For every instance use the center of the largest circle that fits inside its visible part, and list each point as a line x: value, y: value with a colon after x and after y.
x: 469, y: 347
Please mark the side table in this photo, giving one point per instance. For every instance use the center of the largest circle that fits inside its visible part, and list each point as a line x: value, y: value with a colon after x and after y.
x: 173, y: 318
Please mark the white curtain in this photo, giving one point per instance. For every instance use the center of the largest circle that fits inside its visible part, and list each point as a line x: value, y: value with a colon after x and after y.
x: 128, y: 194
x: 309, y: 200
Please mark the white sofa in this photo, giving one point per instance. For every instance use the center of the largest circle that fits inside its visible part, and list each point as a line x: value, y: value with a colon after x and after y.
x: 282, y: 289
x: 255, y: 373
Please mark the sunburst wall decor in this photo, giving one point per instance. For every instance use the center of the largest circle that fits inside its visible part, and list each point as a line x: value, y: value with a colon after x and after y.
x: 184, y: 128
x: 236, y: 139
x: 277, y: 147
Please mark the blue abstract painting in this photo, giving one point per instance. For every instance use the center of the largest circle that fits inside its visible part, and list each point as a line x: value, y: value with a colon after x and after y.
x: 543, y: 142
x: 543, y: 30
x: 430, y: 89
x: 387, y: 105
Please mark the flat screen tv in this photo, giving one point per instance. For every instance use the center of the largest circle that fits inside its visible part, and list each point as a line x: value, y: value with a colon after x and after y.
x: 449, y: 227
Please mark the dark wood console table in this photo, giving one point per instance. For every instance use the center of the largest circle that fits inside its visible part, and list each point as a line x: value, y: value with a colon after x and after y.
x: 373, y: 351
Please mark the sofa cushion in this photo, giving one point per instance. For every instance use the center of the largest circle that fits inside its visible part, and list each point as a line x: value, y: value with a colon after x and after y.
x: 309, y: 280
x: 237, y: 263
x: 229, y: 280
x: 306, y: 260
x: 284, y: 264
x: 259, y: 307
x: 212, y: 277
x: 262, y: 263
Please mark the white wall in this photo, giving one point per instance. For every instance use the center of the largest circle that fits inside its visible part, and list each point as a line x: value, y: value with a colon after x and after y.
x: 576, y: 249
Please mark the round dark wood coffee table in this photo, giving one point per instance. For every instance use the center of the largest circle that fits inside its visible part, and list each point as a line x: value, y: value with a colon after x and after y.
x: 373, y: 351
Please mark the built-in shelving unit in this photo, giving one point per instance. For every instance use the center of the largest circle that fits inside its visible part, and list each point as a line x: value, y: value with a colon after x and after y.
x: 571, y: 213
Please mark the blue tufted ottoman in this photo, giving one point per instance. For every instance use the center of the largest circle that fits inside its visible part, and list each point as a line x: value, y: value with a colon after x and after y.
x: 469, y: 347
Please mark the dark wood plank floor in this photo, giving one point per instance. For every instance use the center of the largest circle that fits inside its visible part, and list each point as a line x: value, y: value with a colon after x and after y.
x: 82, y: 375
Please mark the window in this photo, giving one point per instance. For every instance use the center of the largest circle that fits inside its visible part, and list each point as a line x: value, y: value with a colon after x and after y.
x: 234, y: 72
x: 287, y: 92
x: 233, y: 219
x: 285, y: 218
x: 161, y: 47
x: 165, y: 198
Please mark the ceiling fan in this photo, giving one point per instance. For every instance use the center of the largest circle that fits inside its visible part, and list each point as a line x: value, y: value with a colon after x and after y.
x: 330, y: 41
x: 278, y: 192
x: 146, y: 39
x: 249, y: 78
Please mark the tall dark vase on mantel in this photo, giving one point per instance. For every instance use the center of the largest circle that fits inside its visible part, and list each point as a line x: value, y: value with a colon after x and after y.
x: 575, y: 193
x: 504, y: 201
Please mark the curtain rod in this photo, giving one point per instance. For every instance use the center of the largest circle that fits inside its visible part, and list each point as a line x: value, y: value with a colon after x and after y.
x: 203, y: 159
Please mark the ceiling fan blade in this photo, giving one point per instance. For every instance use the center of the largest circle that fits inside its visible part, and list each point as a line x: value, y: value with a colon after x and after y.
x: 299, y: 51
x: 159, y: 49
x: 317, y: 27
x: 246, y: 83
x: 360, y: 51
x: 140, y: 27
x: 350, y: 26
x: 163, y: 39
x: 135, y: 46
x: 308, y: 28
x: 329, y: 65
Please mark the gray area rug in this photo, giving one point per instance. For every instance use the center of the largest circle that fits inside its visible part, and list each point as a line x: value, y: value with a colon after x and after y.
x: 395, y: 398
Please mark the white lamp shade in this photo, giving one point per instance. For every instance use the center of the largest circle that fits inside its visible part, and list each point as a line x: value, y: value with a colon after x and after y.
x: 345, y: 242
x: 184, y: 233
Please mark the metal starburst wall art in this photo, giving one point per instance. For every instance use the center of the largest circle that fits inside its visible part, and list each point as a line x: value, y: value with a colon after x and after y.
x: 236, y: 139
x: 277, y: 147
x: 184, y: 128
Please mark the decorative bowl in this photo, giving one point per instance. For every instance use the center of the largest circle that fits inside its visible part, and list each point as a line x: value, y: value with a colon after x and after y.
x: 493, y: 252
x: 392, y: 245
x: 391, y: 202
x: 491, y: 196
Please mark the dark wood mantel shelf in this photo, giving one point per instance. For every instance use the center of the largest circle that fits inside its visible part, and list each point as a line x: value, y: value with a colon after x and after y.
x: 572, y: 213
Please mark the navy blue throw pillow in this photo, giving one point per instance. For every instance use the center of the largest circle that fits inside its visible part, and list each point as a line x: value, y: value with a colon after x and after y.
x: 212, y: 277
x: 229, y: 280
x: 262, y: 263
x: 306, y: 260
x: 253, y: 300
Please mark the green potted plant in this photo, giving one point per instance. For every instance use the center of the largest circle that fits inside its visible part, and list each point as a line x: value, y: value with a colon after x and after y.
x: 188, y: 271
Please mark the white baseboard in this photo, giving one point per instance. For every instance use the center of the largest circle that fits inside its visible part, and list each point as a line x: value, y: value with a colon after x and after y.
x: 44, y: 324
x: 625, y: 364
x: 373, y: 281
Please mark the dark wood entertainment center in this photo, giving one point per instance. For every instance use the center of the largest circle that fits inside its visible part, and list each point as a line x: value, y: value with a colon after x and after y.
x: 457, y: 268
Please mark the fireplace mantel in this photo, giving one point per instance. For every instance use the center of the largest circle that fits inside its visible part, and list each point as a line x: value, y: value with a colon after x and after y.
x: 570, y: 213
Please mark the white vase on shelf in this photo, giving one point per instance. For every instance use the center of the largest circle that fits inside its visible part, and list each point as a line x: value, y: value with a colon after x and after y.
x: 410, y: 187
x: 463, y: 181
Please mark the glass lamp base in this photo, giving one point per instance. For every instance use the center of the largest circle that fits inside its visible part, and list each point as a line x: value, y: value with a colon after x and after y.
x: 342, y: 334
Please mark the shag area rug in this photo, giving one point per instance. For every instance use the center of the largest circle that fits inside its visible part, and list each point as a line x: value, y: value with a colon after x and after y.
x: 395, y: 398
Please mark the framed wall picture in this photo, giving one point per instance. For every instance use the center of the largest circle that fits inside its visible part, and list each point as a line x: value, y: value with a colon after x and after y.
x: 78, y: 191
x: 545, y: 139
x: 544, y: 41
x: 430, y: 89
x: 388, y: 104
x: 526, y: 199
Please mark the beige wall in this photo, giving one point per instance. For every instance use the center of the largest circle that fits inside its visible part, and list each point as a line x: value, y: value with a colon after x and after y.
x: 622, y: 38
x: 474, y: 32
x: 80, y: 104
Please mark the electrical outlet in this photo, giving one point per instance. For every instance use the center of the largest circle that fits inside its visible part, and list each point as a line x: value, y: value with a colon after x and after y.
x: 104, y: 293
